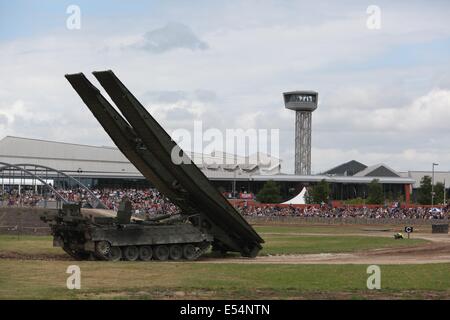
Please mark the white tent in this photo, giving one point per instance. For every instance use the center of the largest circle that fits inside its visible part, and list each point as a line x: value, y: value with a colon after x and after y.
x: 298, y: 199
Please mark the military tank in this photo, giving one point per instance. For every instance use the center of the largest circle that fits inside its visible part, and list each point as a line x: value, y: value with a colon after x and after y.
x: 163, y: 237
x: 206, y: 217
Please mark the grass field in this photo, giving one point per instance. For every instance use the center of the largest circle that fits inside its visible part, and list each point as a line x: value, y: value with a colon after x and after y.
x: 106, y: 280
x: 33, y: 245
x: 46, y: 279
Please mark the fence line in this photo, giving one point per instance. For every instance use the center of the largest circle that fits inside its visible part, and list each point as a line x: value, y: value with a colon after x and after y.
x: 348, y: 220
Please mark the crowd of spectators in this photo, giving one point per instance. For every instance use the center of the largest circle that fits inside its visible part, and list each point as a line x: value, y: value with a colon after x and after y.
x: 26, y: 198
x: 144, y: 201
x: 150, y: 202
x: 326, y: 211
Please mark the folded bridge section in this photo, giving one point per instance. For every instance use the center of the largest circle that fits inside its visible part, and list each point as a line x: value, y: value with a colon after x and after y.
x: 148, y: 146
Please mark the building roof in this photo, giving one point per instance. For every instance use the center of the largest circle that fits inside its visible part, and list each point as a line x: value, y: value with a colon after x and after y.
x: 439, y: 176
x: 377, y: 170
x: 101, y: 161
x: 346, y: 169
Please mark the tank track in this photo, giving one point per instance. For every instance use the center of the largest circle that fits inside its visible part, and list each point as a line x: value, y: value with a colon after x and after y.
x: 200, y: 249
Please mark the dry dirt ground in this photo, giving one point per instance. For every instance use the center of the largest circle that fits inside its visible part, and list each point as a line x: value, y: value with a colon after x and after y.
x: 436, y: 251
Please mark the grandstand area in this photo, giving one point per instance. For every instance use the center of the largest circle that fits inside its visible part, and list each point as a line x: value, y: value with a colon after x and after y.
x: 149, y: 202
x: 106, y: 167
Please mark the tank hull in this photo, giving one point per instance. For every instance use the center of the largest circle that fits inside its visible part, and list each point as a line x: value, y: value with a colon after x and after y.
x: 128, y: 235
x: 96, y: 238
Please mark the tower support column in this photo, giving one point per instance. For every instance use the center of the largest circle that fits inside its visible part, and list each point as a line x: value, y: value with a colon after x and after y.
x: 303, y: 142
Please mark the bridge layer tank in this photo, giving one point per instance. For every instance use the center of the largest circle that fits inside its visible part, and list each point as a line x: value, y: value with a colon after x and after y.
x: 146, y: 144
x: 103, y: 237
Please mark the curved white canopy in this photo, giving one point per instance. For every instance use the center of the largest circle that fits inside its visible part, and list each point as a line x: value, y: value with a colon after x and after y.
x: 298, y: 199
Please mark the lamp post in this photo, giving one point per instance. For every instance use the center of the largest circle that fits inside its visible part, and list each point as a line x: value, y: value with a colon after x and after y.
x: 234, y: 184
x: 445, y: 191
x: 432, y: 183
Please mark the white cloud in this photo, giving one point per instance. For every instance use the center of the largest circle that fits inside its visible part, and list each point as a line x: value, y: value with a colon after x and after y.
x: 10, y: 112
x: 171, y: 36
x: 429, y: 112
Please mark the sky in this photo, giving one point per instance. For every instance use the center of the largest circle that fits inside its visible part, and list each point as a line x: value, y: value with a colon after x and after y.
x: 384, y: 93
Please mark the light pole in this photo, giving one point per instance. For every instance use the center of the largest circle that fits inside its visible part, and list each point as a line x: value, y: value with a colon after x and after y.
x: 234, y: 184
x: 432, y: 183
x: 445, y: 191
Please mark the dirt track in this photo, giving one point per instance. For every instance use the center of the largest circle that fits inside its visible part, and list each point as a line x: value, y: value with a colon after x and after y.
x: 437, y: 251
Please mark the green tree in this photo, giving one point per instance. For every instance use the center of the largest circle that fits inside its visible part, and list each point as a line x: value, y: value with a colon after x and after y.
x: 375, y: 192
x: 424, y: 194
x: 270, y: 193
x: 439, y: 193
x: 321, y: 192
x: 308, y: 196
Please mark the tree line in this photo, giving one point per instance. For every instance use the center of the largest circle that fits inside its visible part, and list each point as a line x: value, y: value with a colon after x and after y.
x: 320, y: 192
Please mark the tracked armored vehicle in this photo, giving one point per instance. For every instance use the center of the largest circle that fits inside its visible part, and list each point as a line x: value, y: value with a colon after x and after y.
x: 206, y: 217
x: 114, y: 238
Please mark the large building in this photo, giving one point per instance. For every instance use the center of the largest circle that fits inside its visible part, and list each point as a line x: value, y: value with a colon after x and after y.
x: 107, y: 167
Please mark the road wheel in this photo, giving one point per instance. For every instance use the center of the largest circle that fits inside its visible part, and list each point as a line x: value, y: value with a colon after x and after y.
x: 161, y: 253
x: 175, y: 252
x: 102, y: 248
x: 115, y: 254
x: 145, y: 253
x: 189, y: 252
x: 131, y: 253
